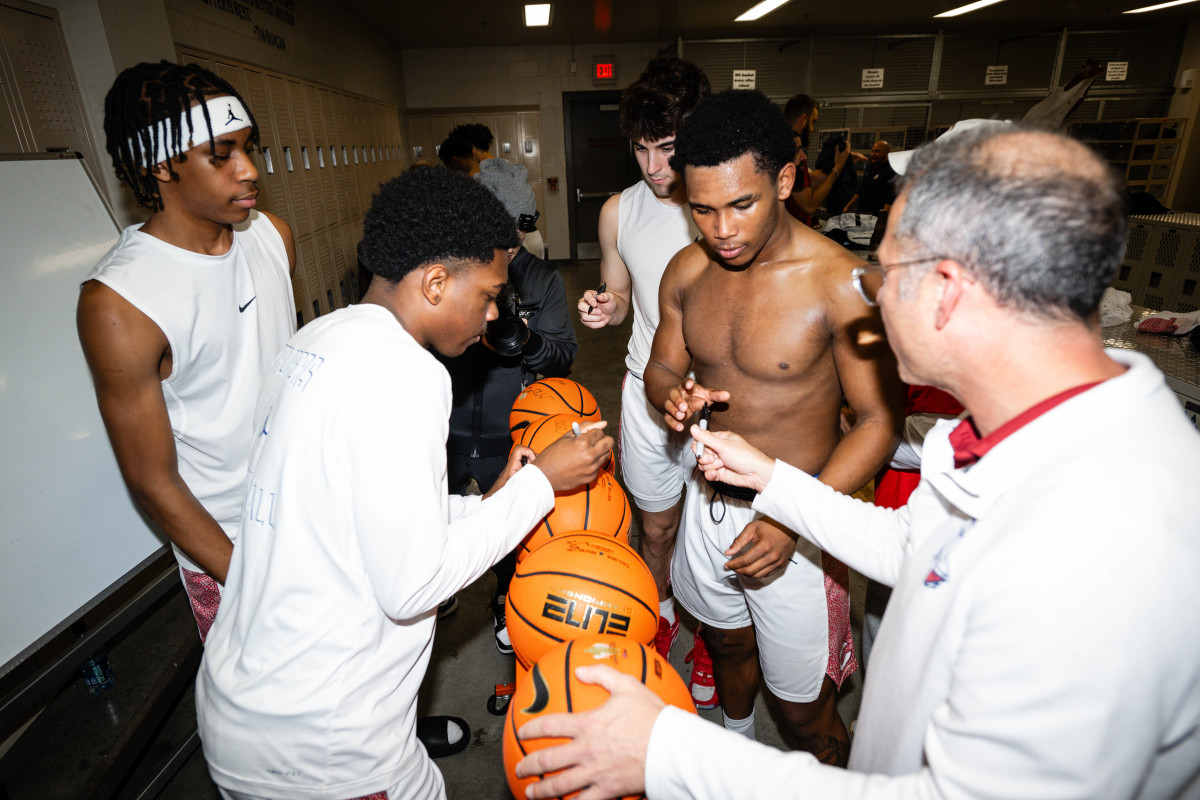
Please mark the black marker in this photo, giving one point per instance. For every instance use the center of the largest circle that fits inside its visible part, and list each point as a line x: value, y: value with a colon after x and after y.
x: 603, y: 286
x: 705, y: 413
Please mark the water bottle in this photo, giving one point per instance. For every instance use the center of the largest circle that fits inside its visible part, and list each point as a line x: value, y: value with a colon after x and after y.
x: 96, y: 671
x: 97, y: 674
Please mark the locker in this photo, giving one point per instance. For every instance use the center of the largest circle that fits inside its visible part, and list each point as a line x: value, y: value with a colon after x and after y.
x: 290, y: 161
x: 322, y: 186
x: 307, y: 164
x: 272, y: 195
x: 528, y: 131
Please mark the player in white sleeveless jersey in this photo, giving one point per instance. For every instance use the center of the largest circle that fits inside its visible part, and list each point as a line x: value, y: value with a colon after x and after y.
x: 180, y: 320
x: 640, y: 230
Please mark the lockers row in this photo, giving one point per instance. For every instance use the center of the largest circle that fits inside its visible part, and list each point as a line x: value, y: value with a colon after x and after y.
x: 1161, y: 267
x: 518, y: 139
x: 831, y: 67
x: 324, y: 154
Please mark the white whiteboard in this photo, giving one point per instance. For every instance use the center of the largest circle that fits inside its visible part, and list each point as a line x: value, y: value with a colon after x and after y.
x: 70, y: 529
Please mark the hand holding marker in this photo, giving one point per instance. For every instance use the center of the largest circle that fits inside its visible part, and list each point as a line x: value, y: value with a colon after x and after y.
x: 599, y: 291
x: 705, y: 413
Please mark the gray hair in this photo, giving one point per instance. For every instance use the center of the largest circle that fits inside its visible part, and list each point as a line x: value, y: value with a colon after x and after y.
x: 1035, y: 216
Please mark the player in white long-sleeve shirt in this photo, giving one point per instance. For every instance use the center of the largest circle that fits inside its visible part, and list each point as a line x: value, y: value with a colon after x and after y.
x: 349, y: 542
x: 1031, y: 647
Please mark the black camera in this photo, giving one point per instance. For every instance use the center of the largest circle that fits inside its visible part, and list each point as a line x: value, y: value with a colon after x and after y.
x: 507, y: 333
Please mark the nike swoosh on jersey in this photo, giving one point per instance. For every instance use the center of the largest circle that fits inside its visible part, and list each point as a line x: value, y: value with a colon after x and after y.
x: 248, y: 302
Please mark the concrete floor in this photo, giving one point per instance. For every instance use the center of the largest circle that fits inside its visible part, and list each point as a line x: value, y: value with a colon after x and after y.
x: 465, y: 665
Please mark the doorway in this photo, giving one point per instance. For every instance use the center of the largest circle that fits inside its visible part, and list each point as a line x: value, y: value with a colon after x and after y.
x: 600, y: 163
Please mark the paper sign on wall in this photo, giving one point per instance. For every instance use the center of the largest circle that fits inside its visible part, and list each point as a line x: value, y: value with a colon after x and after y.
x: 744, y: 78
x: 996, y: 76
x: 1117, y: 71
x: 872, y: 78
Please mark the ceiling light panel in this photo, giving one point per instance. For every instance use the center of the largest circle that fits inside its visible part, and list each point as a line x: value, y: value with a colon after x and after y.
x: 954, y: 12
x: 537, y: 15
x: 761, y: 10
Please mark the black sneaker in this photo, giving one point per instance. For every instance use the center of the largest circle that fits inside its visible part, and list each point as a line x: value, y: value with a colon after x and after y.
x: 502, y: 642
x: 447, y: 608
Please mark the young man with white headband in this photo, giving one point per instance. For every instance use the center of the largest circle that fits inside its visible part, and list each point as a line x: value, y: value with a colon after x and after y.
x: 182, y: 318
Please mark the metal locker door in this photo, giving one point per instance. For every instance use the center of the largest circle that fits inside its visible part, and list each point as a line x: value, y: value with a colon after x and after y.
x: 322, y: 169
x: 289, y: 161
x: 337, y: 166
x: 306, y: 158
x: 44, y: 86
x: 272, y: 187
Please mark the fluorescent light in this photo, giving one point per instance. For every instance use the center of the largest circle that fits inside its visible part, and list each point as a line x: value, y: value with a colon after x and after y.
x: 1157, y: 7
x: 954, y: 12
x: 537, y: 15
x: 761, y: 10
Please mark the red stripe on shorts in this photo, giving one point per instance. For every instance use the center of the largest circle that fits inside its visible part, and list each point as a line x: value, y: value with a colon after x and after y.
x: 842, y: 662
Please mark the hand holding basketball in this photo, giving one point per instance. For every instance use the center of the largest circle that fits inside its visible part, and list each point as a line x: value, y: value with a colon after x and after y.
x: 575, y: 460
x: 729, y: 458
x: 607, y: 751
x: 688, y: 398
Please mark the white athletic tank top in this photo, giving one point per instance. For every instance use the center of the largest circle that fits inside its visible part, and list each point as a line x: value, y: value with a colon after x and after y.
x: 649, y: 232
x: 226, y: 318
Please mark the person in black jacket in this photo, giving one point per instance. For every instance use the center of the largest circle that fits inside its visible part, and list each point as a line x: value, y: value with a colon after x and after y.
x: 488, y: 377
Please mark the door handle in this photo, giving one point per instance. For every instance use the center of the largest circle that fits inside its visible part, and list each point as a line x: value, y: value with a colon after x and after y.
x: 580, y: 196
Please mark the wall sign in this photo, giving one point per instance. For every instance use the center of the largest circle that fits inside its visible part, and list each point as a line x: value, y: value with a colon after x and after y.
x: 1117, y: 71
x: 604, y: 70
x: 256, y: 11
x: 872, y: 78
x: 744, y: 78
x: 996, y: 76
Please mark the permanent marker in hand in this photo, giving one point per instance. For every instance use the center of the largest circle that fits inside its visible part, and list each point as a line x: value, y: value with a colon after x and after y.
x: 603, y: 286
x: 704, y: 414
x: 575, y: 428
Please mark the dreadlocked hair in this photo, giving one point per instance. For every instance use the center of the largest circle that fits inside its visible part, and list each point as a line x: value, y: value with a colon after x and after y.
x: 141, y: 97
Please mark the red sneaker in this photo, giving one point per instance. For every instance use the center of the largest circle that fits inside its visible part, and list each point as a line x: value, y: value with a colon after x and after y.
x: 666, y: 636
x: 702, y: 685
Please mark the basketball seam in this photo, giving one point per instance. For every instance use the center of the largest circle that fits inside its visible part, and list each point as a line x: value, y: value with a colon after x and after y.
x: 567, y: 675
x: 513, y: 719
x: 626, y: 592
x: 526, y: 620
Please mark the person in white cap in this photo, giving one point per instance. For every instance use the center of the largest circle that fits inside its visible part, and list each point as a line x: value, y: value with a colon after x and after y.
x: 1030, y: 648
x: 180, y: 320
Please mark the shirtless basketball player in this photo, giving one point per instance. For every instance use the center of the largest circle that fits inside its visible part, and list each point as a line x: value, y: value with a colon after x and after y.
x: 764, y: 311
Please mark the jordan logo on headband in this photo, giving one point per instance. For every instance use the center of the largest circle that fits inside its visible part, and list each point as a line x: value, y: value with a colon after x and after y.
x: 232, y: 116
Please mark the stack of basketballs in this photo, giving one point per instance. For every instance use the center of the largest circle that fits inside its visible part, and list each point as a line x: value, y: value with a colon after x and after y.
x: 581, y: 595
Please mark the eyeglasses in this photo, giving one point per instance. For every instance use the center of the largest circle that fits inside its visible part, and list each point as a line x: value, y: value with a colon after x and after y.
x: 869, y: 280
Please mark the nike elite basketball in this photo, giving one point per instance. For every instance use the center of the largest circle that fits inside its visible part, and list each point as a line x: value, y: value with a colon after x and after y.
x: 599, y: 507
x: 548, y: 397
x: 551, y: 687
x: 575, y: 585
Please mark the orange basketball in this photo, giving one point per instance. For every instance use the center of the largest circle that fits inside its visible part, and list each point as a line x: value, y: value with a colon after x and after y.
x: 551, y: 687
x: 539, y: 435
x: 548, y: 397
x: 599, y: 507
x: 575, y: 585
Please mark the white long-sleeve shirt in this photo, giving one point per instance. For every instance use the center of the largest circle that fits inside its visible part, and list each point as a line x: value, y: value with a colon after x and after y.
x: 349, y: 542
x: 1041, y: 637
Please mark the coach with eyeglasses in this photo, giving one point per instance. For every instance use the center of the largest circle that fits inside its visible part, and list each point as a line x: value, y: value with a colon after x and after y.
x: 1032, y: 646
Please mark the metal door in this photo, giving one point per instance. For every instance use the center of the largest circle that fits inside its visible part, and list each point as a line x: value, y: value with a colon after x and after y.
x: 600, y: 164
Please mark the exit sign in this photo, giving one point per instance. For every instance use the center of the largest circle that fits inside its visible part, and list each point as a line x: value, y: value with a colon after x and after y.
x: 604, y: 70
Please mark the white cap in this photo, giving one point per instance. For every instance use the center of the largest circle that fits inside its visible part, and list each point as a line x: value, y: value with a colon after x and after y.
x: 899, y: 160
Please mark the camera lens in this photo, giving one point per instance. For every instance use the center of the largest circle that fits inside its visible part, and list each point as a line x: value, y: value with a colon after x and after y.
x: 506, y: 335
